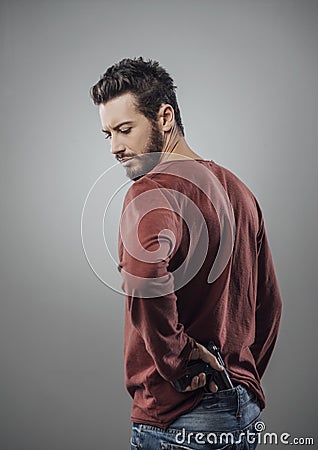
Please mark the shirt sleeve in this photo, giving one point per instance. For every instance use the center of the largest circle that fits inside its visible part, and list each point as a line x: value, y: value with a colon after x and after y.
x: 268, y: 307
x: 150, y: 234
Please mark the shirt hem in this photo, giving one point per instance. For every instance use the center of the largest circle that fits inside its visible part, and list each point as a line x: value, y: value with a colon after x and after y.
x: 165, y: 424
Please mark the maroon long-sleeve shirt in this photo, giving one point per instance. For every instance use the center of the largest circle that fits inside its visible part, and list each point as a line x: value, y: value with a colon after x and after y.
x: 170, y: 303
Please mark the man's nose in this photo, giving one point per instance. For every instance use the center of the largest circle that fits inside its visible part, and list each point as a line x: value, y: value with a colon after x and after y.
x: 116, y: 145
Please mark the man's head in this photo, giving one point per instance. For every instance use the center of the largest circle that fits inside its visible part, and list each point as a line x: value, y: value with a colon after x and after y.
x: 137, y: 104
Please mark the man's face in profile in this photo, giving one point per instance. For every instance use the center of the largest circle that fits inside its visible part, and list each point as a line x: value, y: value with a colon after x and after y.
x: 136, y: 142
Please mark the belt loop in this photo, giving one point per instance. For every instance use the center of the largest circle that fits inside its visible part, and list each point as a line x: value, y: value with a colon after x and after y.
x: 239, y: 402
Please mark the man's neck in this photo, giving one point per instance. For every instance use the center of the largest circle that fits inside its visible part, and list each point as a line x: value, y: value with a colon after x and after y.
x: 182, y: 148
x: 176, y: 147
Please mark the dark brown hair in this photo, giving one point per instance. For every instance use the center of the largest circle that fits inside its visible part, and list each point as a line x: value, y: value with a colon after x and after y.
x: 150, y: 83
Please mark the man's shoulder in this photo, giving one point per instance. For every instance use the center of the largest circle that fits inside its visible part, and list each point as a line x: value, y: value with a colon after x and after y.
x: 231, y: 179
x: 158, y: 178
x: 178, y: 175
x: 145, y: 183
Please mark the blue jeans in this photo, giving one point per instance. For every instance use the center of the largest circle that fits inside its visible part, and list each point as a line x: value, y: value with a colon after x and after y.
x: 224, y: 420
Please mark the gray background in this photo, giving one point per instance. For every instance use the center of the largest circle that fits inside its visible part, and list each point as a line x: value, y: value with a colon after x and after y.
x: 247, y: 75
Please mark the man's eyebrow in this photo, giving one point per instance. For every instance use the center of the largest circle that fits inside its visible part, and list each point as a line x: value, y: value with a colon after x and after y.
x: 126, y: 122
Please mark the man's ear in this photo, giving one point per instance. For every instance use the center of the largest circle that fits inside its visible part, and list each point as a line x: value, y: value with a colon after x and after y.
x: 166, y: 117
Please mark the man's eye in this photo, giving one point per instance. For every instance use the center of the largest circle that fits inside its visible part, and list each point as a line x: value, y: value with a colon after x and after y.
x: 108, y: 136
x: 125, y: 130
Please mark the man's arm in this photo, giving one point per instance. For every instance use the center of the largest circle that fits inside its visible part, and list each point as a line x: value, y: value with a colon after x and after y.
x: 149, y: 285
x: 269, y: 305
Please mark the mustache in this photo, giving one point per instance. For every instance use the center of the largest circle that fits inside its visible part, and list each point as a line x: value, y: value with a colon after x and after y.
x: 124, y: 156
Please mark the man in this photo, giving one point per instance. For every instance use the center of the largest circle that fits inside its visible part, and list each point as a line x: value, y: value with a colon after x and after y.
x: 196, y: 267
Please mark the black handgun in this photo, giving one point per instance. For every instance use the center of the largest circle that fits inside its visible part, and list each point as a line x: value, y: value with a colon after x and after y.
x: 221, y: 379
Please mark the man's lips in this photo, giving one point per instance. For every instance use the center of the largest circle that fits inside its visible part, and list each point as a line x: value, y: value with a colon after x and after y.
x: 124, y: 160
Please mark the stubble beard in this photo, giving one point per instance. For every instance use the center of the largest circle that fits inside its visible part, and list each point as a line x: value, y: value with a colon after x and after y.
x: 146, y: 161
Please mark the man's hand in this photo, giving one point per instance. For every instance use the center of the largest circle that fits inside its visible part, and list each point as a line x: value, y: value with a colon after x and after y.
x: 200, y: 352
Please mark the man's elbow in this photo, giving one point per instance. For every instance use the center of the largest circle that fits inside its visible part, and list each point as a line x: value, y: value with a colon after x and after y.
x: 147, y: 285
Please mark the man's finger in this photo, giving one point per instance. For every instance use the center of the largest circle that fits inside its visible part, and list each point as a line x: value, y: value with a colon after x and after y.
x: 197, y: 382
x: 213, y: 387
x: 200, y: 352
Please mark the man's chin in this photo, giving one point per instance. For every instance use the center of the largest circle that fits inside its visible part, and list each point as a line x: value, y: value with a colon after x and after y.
x: 141, y: 165
x: 134, y: 174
